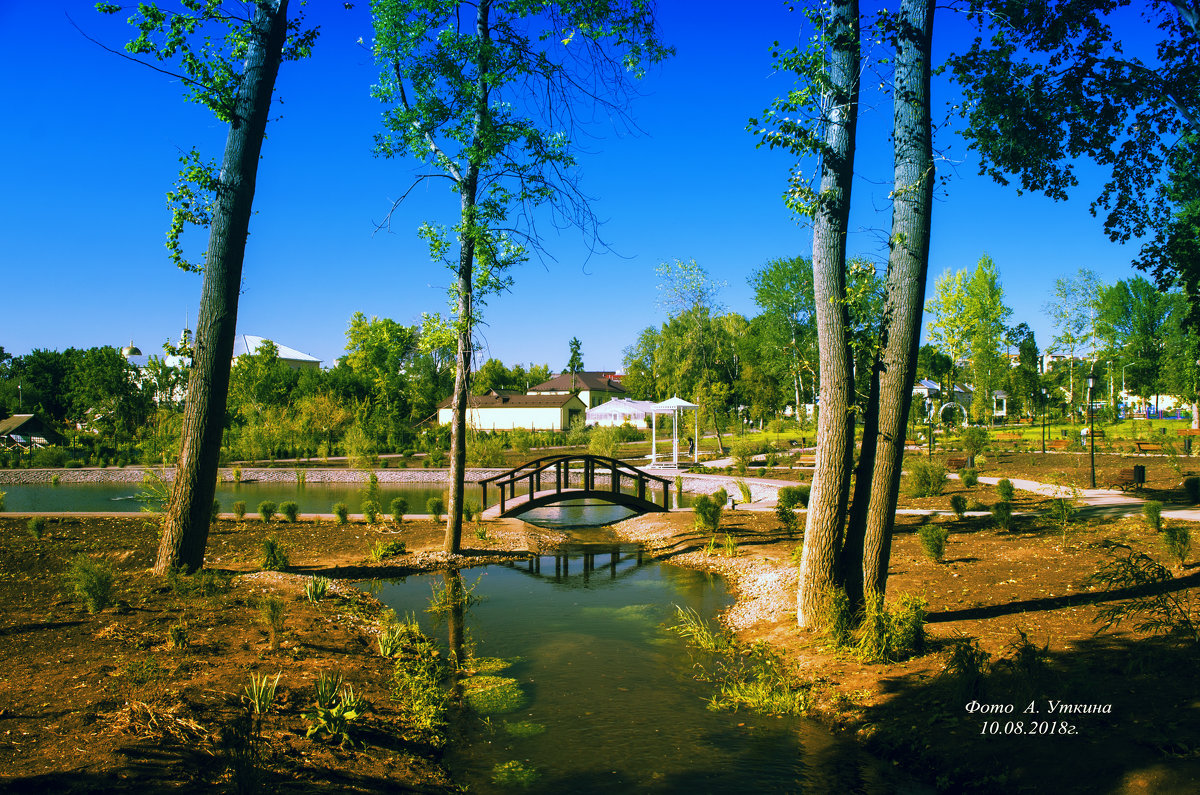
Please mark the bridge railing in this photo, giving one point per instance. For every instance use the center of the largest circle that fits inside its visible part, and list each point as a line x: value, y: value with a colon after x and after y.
x: 532, y: 472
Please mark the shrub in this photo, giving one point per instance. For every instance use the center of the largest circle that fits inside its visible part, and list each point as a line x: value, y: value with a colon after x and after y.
x: 399, y: 508
x: 890, y: 635
x: 49, y: 457
x: 1002, y: 515
x: 744, y: 450
x: 239, y: 510
x: 290, y: 510
x: 708, y: 513
x: 272, y: 555
x: 794, y: 496
x: 1171, y: 612
x: 933, y: 540
x: 744, y: 490
x: 266, y: 510
x: 1177, y: 541
x: 1005, y: 490
x: 786, y: 517
x: 969, y: 478
x: 341, y: 513
x: 1, y: 500
x: 387, y: 549
x: 273, y: 613
x: 958, y: 504
x: 370, y: 511
x: 1152, y: 510
x: 974, y: 440
x: 835, y: 617
x: 91, y: 581
x: 968, y: 665
x: 1191, y: 489
x: 605, y: 441
x: 36, y: 526
x: 435, y: 507
x: 926, y: 478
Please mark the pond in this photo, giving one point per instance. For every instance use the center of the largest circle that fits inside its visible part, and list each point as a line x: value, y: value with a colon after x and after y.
x: 611, y: 689
x: 312, y: 498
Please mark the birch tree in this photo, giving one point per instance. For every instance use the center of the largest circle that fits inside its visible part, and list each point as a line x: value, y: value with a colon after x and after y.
x: 488, y: 96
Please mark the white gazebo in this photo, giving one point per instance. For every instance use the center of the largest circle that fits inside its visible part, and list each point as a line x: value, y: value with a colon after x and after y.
x: 674, y: 406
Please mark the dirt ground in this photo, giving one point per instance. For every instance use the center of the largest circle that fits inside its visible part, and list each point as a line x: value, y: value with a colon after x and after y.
x: 104, y: 703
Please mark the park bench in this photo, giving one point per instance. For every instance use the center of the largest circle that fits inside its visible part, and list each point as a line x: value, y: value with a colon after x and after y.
x: 1099, y: 435
x: 1023, y: 421
x: 1059, y: 444
x: 1125, y: 479
x: 1147, y: 447
x: 956, y: 463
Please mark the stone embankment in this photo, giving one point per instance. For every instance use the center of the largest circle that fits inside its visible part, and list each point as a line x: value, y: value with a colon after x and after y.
x: 249, y: 475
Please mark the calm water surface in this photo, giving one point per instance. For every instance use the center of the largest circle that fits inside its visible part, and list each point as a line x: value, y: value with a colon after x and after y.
x: 615, y: 690
x: 312, y: 498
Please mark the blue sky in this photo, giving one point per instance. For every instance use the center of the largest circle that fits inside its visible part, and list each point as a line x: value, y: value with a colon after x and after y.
x: 92, y: 143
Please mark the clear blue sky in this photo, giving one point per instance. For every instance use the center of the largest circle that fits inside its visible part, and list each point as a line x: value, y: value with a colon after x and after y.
x: 92, y: 143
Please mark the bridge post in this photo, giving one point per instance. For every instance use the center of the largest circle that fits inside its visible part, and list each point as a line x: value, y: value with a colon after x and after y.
x: 641, y: 487
x: 558, y: 477
x: 483, y: 499
x: 616, y: 476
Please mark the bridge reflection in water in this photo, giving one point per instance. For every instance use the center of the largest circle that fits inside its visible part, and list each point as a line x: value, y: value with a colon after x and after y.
x: 580, y: 563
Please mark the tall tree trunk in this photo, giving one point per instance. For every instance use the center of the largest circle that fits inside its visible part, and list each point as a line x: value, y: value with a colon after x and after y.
x: 468, y: 188
x: 835, y: 420
x: 186, y: 521
x: 908, y: 265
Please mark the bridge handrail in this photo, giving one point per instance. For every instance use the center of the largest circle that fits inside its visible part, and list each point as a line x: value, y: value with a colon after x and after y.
x: 528, y: 469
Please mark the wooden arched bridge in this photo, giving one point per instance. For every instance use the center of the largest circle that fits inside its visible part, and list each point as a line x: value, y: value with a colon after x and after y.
x: 558, y: 478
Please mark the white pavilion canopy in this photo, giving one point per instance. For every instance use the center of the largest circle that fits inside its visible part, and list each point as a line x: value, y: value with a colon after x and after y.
x: 675, y: 406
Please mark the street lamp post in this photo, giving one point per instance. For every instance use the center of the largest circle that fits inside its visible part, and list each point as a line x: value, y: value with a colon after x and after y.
x: 1044, y: 398
x: 1091, y: 382
x: 929, y: 420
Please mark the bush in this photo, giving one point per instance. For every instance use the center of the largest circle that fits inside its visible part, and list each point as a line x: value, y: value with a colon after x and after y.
x: 91, y: 581
x: 272, y: 555
x: 969, y: 478
x: 239, y: 510
x: 926, y: 478
x: 1177, y: 541
x: 974, y: 440
x: 48, y: 457
x: 835, y: 618
x: 968, y: 665
x: 387, y: 549
x: 708, y: 513
x: 794, y: 496
x: 36, y: 526
x: 341, y: 513
x: 1, y: 500
x: 1005, y: 490
x: 1152, y: 510
x: 605, y: 441
x: 266, y: 510
x: 399, y: 508
x: 370, y: 511
x: 744, y: 450
x: 435, y: 507
x: 958, y: 504
x: 933, y: 540
x: 290, y: 510
x: 1191, y: 489
x: 1002, y: 515
x: 891, y: 635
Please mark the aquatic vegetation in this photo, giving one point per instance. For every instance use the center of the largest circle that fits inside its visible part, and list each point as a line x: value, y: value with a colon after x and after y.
x: 493, y: 695
x: 523, y: 729
x: 514, y: 774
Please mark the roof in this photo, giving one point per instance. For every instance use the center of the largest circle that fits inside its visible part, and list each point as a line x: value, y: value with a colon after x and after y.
x: 675, y: 403
x: 596, y: 382
x: 493, y: 400
x: 622, y: 407
x: 13, y: 423
x: 244, y: 344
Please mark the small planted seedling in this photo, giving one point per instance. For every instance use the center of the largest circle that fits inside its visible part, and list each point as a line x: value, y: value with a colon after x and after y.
x: 958, y: 504
x: 1177, y: 541
x: 1152, y: 510
x: 260, y: 693
x: 273, y: 615
x: 399, y: 508
x: 290, y: 510
x: 435, y: 507
x: 1002, y: 515
x: 266, y: 510
x: 91, y: 581
x: 1005, y: 490
x: 273, y: 556
x: 370, y: 511
x: 969, y: 478
x: 316, y: 589
x: 239, y: 510
x: 933, y: 539
x: 36, y: 526
x: 341, y: 513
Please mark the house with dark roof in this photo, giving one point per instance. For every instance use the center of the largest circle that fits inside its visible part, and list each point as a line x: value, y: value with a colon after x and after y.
x: 593, y: 388
x: 26, y: 430
x: 504, y: 411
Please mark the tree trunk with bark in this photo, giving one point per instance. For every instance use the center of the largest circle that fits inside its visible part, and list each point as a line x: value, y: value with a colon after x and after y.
x: 835, y: 421
x: 870, y: 536
x: 189, y: 510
